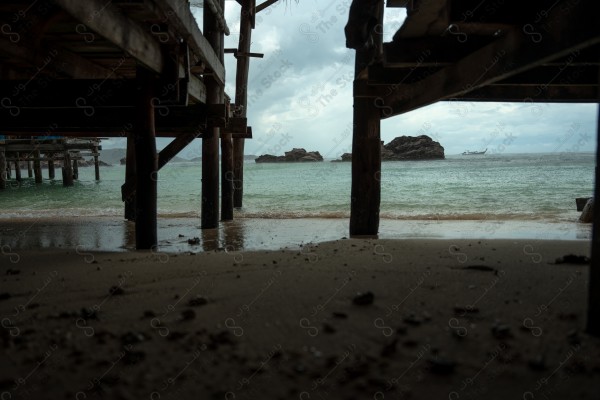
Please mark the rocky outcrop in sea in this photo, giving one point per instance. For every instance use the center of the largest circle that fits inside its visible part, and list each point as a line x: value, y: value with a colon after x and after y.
x: 294, y: 155
x: 408, y: 148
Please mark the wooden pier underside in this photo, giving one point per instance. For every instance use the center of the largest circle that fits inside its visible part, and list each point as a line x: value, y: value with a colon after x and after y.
x: 125, y: 68
x: 449, y: 50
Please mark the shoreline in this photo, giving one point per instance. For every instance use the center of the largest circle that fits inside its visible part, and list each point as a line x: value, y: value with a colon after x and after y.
x: 116, y: 234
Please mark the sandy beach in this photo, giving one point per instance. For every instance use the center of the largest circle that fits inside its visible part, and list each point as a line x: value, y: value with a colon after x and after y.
x: 346, y: 319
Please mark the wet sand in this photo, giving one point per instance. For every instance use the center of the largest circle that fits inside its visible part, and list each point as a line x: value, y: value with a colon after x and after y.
x: 373, y: 319
x: 115, y: 234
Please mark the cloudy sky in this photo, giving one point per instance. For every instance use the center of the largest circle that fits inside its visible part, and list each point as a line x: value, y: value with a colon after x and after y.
x: 300, y: 94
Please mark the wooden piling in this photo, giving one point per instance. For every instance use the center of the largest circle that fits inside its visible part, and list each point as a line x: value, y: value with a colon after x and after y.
x: 8, y: 170
x: 37, y: 167
x: 76, y: 169
x: 210, y: 140
x: 96, y: 164
x: 17, y: 168
x: 241, y: 97
x: 226, y: 178
x: 67, y: 170
x: 593, y: 317
x: 29, y: 170
x: 51, y: 171
x: 3, y: 177
x: 366, y: 150
x: 130, y: 177
x: 146, y: 162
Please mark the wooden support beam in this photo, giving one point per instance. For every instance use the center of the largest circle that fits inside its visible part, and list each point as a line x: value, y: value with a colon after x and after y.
x: 146, y: 164
x: 185, y: 23
x: 366, y: 152
x: 29, y: 170
x: 108, y: 21
x: 51, y: 170
x: 8, y: 170
x: 264, y: 5
x: 241, y: 100
x: 17, y: 168
x: 226, y: 177
x: 129, y: 195
x: 509, y: 55
x: 67, y: 170
x: 37, y: 168
x: 593, y: 315
x: 96, y: 164
x: 75, y: 169
x: 3, y: 176
x: 210, y: 139
x: 57, y: 59
x: 165, y: 155
x: 533, y: 94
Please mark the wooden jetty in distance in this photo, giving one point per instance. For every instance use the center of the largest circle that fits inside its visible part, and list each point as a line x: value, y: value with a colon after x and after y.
x: 509, y: 51
x: 66, y: 152
x: 137, y: 69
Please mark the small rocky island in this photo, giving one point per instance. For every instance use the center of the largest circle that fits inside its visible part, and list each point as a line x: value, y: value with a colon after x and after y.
x: 295, y: 155
x: 408, y: 148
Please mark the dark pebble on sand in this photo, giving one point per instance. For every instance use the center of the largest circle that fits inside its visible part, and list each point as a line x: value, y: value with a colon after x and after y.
x: 133, y: 357
x: 188, y: 315
x: 538, y: 363
x: 116, y: 290
x: 194, y: 241
x: 11, y: 271
x: 501, y: 332
x: 572, y: 259
x: 149, y: 314
x: 462, y: 310
x: 180, y: 235
x: 133, y: 338
x: 573, y: 338
x: 363, y: 299
x: 327, y: 328
x: 339, y: 315
x: 88, y: 313
x: 198, y: 301
x: 4, y: 296
x: 441, y: 366
x: 390, y: 348
x: 412, y: 319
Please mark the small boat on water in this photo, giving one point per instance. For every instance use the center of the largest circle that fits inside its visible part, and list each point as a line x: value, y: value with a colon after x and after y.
x: 473, y: 153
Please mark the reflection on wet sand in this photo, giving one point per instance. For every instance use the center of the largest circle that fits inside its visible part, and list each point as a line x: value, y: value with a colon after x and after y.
x: 106, y: 234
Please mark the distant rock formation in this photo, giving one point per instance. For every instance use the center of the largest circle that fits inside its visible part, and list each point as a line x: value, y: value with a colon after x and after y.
x: 412, y: 148
x: 295, y: 155
x: 408, y: 148
x: 345, y: 157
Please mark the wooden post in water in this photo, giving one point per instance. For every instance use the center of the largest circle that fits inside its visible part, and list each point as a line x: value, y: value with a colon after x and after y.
x: 51, y: 171
x: 210, y: 139
x: 146, y: 162
x: 29, y: 170
x: 96, y: 163
x: 366, y: 149
x: 76, y: 169
x: 130, y: 177
x: 37, y: 167
x: 8, y: 170
x: 17, y: 168
x: 67, y: 171
x: 241, y: 97
x: 226, y: 177
x: 3, y: 176
x: 593, y: 317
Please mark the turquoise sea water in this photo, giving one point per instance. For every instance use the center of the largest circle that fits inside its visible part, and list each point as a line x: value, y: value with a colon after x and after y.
x: 537, y: 187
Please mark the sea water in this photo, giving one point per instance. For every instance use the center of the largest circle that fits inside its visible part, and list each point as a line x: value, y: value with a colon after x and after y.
x: 528, y: 196
x: 540, y: 187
